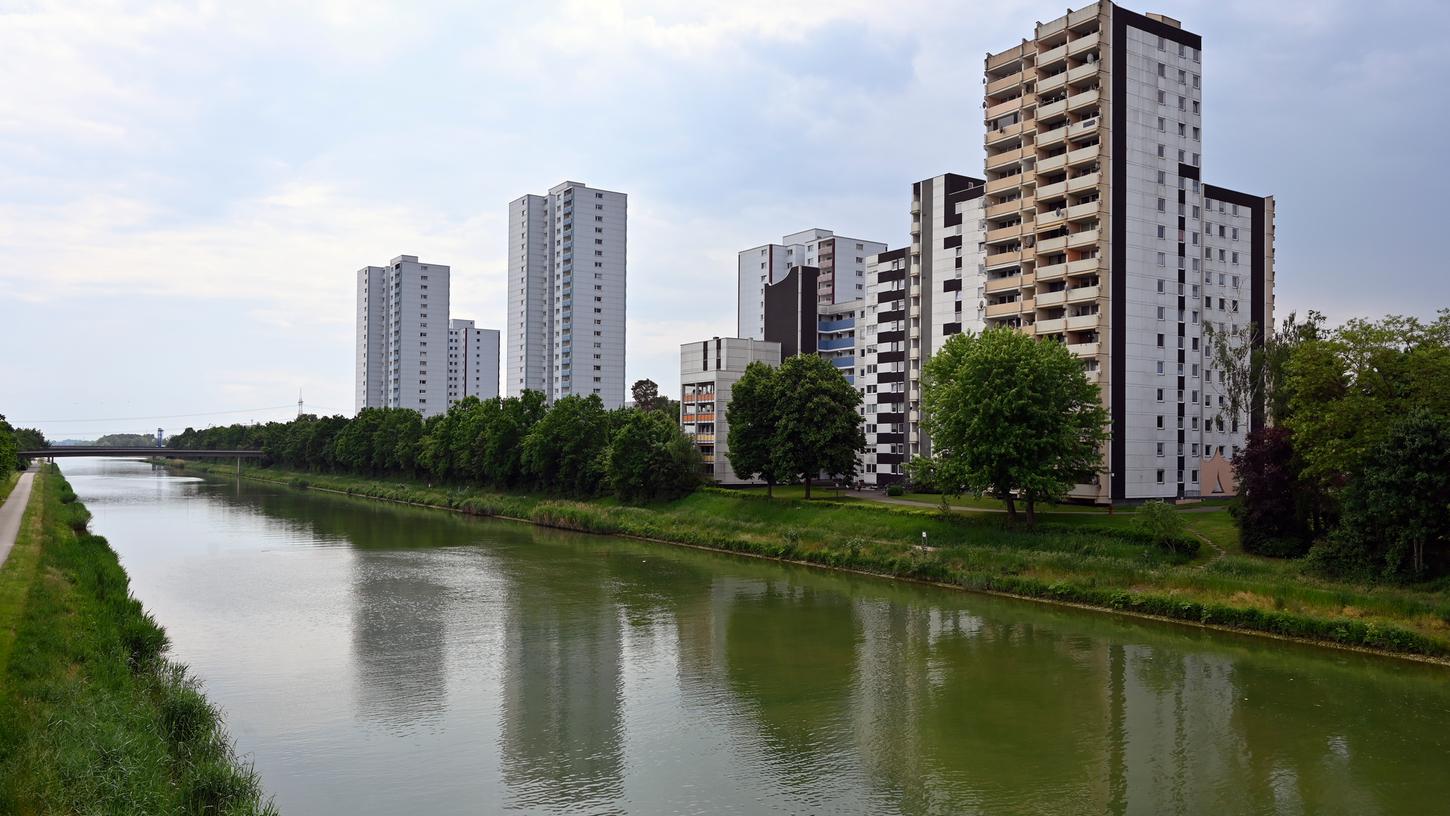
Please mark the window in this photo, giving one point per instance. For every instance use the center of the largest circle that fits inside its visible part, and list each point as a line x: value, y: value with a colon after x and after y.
x: 1160, y: 308
x: 1160, y: 422
x: 1162, y: 259
x: 1162, y: 232
x: 1162, y: 205
x: 1162, y: 177
x: 1160, y: 477
x: 1162, y: 70
x: 1160, y: 395
x: 1162, y: 98
x: 1182, y: 129
x: 1160, y: 451
x: 1160, y: 291
x: 1162, y: 125
x: 1160, y: 364
x: 1235, y: 260
x: 1196, y: 134
x: 1162, y: 151
x: 1160, y: 345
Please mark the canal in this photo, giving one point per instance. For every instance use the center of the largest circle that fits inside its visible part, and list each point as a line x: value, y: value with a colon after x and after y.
x: 378, y: 659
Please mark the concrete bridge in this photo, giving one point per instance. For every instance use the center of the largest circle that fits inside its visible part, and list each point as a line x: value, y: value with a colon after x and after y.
x: 63, y: 451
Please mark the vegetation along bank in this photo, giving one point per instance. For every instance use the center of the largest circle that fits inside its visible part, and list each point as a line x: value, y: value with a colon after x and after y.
x: 1130, y: 562
x: 94, y: 717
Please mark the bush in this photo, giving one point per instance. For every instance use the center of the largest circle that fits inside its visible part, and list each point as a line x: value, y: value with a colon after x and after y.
x: 895, y: 490
x: 1161, y: 525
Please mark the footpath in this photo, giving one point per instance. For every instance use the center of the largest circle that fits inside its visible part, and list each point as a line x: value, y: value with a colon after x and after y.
x: 12, y: 511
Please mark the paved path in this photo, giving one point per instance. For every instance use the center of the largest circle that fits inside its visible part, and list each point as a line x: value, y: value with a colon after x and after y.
x: 876, y: 496
x: 11, y: 512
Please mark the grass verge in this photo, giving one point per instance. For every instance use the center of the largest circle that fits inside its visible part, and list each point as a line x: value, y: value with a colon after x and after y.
x: 94, y: 718
x: 7, y: 484
x: 1095, y: 561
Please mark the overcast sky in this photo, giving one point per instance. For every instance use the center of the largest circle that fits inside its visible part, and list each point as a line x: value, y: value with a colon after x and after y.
x: 187, y: 190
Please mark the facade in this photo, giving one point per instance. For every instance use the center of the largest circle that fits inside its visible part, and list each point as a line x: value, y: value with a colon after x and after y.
x: 567, y: 270
x: 472, y: 361
x: 802, y: 324
x: 708, y: 371
x: 840, y: 263
x: 1096, y: 229
x: 395, y: 305
x: 916, y: 298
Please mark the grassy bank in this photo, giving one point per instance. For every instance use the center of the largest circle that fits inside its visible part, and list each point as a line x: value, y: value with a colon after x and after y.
x: 1094, y: 561
x: 7, y: 484
x: 93, y: 717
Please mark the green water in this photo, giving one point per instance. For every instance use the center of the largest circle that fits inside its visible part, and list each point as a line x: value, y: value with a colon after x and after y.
x: 380, y: 659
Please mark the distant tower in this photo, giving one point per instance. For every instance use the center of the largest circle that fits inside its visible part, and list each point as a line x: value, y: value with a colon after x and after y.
x: 159, y: 438
x: 299, y: 402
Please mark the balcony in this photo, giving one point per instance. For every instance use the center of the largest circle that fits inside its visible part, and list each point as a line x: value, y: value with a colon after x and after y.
x: 995, y: 61
x: 1006, y: 158
x: 1054, y: 136
x: 1083, y: 349
x: 1086, y: 208
x: 1051, y: 82
x: 997, y: 86
x: 1001, y: 258
x: 1083, y: 238
x: 1084, y: 127
x: 1086, y: 182
x: 836, y: 325
x: 1077, y: 100
x: 1083, y: 154
x: 1081, y: 44
x: 1085, y: 265
x: 1005, y: 208
x: 1004, y: 233
x: 1051, y: 163
x: 1052, y: 109
x: 1083, y: 71
x: 1082, y: 322
x: 1007, y: 183
x: 1003, y: 284
x: 1002, y: 108
x: 836, y: 343
x: 703, y: 439
x: 1004, y: 309
x: 1082, y: 293
x: 1050, y: 219
x: 1052, y: 298
x: 1052, y: 55
x: 1047, y: 245
x: 1014, y: 129
x: 1050, y: 191
x: 1051, y: 271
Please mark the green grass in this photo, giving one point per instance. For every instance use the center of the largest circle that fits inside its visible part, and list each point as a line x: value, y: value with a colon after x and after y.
x: 93, y: 717
x: 7, y: 484
x: 1090, y: 558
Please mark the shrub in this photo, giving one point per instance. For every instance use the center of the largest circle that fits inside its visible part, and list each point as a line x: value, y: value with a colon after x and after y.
x: 895, y: 490
x: 1163, y: 527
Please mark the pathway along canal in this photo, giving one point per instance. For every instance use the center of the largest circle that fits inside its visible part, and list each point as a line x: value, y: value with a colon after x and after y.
x: 374, y: 658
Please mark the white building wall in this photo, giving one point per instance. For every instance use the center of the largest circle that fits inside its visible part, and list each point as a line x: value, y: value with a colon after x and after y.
x: 709, y: 370
x: 758, y: 266
x: 530, y: 296
x: 567, y: 293
x: 1152, y: 459
x: 472, y: 361
x: 403, y: 310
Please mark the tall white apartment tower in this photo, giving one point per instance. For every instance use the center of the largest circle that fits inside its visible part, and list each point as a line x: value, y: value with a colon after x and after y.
x: 567, y: 290
x: 1102, y: 234
x: 472, y: 361
x: 841, y: 278
x: 402, y: 315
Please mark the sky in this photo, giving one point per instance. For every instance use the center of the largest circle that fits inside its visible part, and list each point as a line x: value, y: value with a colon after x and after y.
x: 188, y: 189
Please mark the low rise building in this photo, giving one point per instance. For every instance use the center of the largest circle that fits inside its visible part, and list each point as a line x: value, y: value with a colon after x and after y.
x: 709, y: 370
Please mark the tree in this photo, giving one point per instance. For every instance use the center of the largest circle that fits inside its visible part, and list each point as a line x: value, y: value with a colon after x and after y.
x: 1396, y: 521
x: 9, y: 449
x: 564, y: 450
x: 510, y: 422
x: 817, y: 424
x: 1011, y: 415
x: 1252, y: 366
x: 650, y: 459
x: 646, y: 394
x: 751, y: 415
x: 28, y: 439
x: 1272, y: 506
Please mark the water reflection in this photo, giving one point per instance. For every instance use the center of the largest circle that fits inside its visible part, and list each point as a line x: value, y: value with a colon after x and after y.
x: 496, y: 666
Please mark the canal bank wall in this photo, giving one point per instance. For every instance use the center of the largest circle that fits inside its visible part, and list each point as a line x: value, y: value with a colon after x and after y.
x: 94, y: 716
x: 1236, y: 609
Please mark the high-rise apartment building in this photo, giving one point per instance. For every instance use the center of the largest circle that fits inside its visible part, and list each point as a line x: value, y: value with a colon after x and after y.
x: 709, y: 370
x: 566, y: 298
x: 395, y: 306
x: 1097, y: 235
x: 802, y: 324
x: 472, y: 361
x: 916, y: 298
x: 840, y: 263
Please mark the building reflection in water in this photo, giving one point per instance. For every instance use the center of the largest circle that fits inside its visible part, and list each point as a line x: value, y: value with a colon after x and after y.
x: 561, y: 735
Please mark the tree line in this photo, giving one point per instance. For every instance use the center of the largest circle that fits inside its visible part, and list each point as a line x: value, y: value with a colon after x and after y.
x: 1352, y: 468
x: 14, y: 440
x: 574, y: 447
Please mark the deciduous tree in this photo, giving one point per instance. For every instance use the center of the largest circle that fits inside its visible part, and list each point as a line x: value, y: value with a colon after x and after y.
x: 817, y: 424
